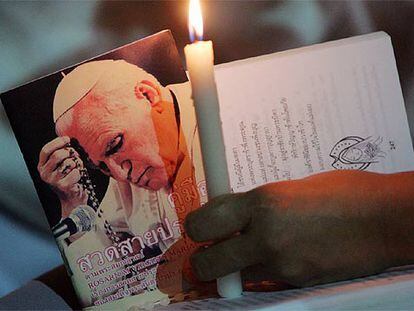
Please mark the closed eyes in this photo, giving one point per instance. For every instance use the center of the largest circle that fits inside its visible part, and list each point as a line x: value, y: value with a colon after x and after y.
x: 114, y: 145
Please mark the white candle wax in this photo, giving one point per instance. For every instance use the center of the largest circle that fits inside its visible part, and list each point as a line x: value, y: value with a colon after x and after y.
x: 199, y: 57
x: 200, y: 65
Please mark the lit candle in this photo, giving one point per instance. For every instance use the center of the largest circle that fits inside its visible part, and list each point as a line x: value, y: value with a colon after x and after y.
x: 200, y: 65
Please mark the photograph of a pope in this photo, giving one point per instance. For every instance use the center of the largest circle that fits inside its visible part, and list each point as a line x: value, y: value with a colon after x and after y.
x: 140, y: 134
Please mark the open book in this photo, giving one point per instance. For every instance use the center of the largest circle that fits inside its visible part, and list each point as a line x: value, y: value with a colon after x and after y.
x: 112, y: 147
x: 336, y: 105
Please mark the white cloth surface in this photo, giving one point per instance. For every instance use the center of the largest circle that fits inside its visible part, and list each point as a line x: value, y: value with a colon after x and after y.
x: 391, y: 290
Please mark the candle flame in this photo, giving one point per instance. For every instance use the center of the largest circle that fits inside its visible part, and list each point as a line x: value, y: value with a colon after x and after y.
x: 195, y: 21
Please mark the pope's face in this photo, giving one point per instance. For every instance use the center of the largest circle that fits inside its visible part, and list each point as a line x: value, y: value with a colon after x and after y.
x: 117, y: 131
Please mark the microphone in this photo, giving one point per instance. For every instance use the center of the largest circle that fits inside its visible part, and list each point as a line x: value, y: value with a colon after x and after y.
x: 81, y: 219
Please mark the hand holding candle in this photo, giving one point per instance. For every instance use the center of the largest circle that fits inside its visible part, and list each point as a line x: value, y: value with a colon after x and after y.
x: 200, y: 65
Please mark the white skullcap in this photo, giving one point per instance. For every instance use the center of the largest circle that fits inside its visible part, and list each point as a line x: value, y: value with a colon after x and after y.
x: 75, y: 85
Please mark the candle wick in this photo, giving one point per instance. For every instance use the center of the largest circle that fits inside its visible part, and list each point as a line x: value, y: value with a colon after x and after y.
x: 197, y: 38
x: 194, y: 36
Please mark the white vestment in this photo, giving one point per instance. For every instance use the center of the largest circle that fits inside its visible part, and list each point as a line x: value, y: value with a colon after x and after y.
x: 148, y: 210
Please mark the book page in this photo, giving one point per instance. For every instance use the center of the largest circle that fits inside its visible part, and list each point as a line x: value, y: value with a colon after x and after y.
x: 329, y: 106
x: 387, y: 291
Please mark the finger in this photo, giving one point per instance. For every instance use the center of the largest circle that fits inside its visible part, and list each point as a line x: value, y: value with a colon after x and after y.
x: 57, y: 158
x: 258, y: 278
x: 256, y: 273
x: 82, y: 193
x: 64, y: 169
x: 67, y: 165
x: 78, y: 162
x: 50, y: 147
x: 69, y: 182
x: 226, y: 257
x: 219, y: 218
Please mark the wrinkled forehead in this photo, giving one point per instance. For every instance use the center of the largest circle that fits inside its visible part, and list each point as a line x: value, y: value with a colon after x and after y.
x: 87, y: 123
x: 103, y: 110
x: 99, y: 114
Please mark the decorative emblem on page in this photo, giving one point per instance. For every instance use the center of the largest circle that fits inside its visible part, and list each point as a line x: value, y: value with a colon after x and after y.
x: 356, y: 153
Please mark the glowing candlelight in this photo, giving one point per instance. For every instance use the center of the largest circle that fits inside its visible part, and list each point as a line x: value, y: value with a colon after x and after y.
x: 200, y: 65
x: 195, y: 21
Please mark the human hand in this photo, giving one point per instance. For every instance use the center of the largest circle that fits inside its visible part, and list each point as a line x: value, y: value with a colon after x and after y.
x: 319, y: 229
x: 59, y: 166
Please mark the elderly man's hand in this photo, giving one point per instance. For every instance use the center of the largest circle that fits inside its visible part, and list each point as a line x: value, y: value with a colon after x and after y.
x: 59, y: 166
x: 323, y: 228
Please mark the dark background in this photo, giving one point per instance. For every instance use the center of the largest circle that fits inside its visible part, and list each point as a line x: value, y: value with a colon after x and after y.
x: 39, y: 37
